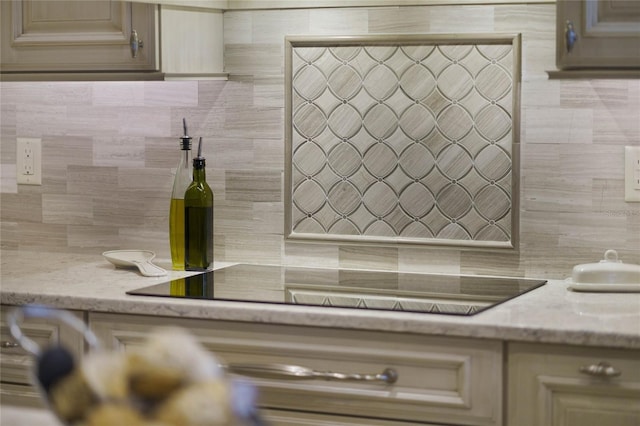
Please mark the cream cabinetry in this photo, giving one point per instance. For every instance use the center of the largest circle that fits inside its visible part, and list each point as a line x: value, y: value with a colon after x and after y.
x: 92, y: 40
x: 594, y: 34
x: 46, y: 36
x: 17, y: 365
x: 551, y: 385
x: 293, y: 418
x: 439, y: 380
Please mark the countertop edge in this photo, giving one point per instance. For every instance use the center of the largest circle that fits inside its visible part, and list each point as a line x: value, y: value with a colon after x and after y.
x: 339, y: 318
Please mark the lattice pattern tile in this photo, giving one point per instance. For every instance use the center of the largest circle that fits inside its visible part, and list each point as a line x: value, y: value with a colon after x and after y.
x: 401, y: 142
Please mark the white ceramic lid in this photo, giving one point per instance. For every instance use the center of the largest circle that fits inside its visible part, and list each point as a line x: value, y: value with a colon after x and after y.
x: 610, y: 270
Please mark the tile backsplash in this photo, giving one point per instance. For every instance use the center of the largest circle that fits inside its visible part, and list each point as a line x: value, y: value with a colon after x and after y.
x: 109, y: 149
x: 402, y: 139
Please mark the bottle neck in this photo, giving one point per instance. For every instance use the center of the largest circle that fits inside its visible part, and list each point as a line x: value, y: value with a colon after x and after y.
x: 185, y: 157
x: 199, y: 164
x: 199, y: 174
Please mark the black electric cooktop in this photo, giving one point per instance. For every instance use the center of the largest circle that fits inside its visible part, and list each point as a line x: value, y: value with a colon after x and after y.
x: 343, y: 288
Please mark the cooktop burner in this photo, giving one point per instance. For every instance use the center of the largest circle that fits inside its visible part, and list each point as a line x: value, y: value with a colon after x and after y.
x: 394, y: 291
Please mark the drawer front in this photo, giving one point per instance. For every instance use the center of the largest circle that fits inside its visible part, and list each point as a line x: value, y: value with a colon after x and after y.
x: 439, y: 379
x: 295, y: 418
x: 21, y: 395
x: 16, y: 364
x: 548, y: 385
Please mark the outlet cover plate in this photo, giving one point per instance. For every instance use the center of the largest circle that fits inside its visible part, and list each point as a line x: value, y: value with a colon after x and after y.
x: 29, y: 161
x: 632, y: 174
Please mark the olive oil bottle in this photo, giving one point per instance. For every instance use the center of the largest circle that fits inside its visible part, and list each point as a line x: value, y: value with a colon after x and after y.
x: 198, y: 218
x: 176, y: 210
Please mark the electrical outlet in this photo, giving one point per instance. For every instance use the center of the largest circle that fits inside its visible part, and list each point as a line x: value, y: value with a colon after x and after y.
x: 29, y: 161
x: 632, y: 173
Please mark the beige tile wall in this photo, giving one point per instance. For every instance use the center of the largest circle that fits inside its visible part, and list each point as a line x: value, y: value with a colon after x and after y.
x: 109, y: 149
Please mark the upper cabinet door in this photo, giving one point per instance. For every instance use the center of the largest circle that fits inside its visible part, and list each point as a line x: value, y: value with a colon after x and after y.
x: 598, y: 34
x: 41, y: 35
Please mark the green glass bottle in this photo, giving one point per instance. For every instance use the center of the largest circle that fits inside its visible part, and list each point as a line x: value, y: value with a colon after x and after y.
x: 198, y: 219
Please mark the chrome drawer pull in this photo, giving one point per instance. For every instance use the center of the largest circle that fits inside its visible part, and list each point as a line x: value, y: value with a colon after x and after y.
x: 294, y: 372
x: 135, y: 43
x: 601, y: 369
x: 570, y: 36
x: 6, y: 344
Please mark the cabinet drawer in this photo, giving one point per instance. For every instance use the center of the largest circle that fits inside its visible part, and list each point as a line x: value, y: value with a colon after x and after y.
x: 294, y: 418
x: 21, y: 396
x: 16, y: 365
x: 548, y: 386
x: 445, y: 380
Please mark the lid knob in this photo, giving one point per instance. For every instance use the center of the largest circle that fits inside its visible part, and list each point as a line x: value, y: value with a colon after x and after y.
x: 611, y: 256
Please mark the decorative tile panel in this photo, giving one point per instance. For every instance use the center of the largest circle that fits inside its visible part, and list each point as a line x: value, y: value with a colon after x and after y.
x: 410, y: 139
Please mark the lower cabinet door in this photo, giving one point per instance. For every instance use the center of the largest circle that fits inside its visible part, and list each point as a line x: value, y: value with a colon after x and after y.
x: 439, y: 380
x: 551, y: 385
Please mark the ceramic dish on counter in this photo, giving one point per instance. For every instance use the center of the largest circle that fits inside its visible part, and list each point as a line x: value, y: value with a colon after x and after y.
x: 608, y: 275
x: 140, y: 259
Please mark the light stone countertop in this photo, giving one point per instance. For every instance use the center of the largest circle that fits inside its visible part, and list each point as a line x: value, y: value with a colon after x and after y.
x: 549, y: 314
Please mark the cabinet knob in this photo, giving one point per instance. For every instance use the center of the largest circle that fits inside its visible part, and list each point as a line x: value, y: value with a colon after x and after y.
x: 135, y: 43
x: 570, y: 36
x: 7, y: 344
x: 601, y: 369
x: 294, y: 372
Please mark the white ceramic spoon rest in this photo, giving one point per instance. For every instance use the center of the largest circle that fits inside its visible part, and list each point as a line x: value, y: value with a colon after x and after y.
x: 138, y: 258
